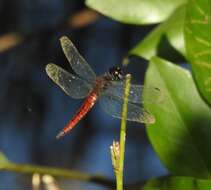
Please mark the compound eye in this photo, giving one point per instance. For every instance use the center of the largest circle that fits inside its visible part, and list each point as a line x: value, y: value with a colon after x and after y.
x: 116, y: 72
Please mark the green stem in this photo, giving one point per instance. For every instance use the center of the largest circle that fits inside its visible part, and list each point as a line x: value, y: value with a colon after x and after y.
x: 56, y: 172
x: 119, y: 174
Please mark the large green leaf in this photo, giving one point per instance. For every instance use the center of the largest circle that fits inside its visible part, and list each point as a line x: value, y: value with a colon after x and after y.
x: 177, y: 183
x: 156, y: 43
x: 198, y: 43
x: 181, y: 134
x: 136, y: 11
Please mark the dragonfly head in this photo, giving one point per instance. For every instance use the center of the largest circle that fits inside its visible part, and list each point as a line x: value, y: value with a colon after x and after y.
x: 116, y: 73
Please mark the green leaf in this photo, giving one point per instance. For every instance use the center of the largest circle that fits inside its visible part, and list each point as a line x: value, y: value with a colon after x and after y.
x: 198, y: 43
x: 181, y: 135
x: 168, y: 33
x: 136, y: 11
x: 177, y: 183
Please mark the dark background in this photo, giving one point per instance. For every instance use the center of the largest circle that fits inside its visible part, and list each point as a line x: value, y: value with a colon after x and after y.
x: 33, y: 109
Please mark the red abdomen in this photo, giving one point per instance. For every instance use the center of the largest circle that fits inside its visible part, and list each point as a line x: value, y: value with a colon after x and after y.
x: 85, y: 107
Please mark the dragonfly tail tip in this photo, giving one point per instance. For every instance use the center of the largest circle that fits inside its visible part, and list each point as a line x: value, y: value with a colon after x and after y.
x: 60, y: 134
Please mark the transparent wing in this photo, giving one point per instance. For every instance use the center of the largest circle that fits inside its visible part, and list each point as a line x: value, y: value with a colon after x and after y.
x: 77, y: 62
x: 113, y: 106
x: 136, y: 92
x: 70, y: 84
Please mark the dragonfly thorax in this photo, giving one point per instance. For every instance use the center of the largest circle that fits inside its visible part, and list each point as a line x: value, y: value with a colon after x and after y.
x: 104, y: 81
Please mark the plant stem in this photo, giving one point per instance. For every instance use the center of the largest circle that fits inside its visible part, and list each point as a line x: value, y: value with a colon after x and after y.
x: 119, y: 174
x: 56, y: 172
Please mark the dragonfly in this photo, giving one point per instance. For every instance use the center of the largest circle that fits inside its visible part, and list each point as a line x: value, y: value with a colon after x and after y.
x: 108, y: 88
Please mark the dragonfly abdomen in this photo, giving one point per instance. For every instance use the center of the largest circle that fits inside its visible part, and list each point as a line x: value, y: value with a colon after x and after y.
x: 85, y: 107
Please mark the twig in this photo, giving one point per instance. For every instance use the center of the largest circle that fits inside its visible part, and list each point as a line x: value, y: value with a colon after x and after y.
x: 56, y: 172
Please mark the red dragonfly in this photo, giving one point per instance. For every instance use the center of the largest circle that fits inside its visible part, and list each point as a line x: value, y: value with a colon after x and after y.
x: 109, y: 87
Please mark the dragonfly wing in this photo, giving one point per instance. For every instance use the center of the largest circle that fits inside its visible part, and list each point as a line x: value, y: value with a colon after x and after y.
x: 113, y: 106
x: 136, y: 93
x: 77, y: 62
x: 70, y: 84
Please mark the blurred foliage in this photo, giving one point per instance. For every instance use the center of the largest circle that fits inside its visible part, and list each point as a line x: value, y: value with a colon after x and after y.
x: 163, y: 37
x: 7, y: 165
x: 136, y: 11
x: 3, y: 160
